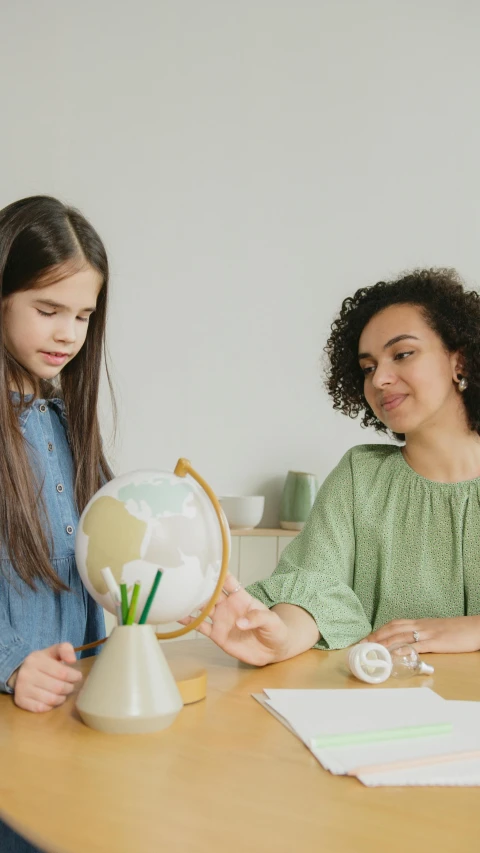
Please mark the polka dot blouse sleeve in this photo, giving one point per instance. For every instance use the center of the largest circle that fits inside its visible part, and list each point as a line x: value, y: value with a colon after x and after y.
x: 316, y: 570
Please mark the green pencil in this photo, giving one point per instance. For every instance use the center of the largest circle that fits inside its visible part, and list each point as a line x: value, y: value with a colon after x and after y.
x: 124, y: 602
x: 133, y: 604
x: 352, y: 738
x: 151, y: 596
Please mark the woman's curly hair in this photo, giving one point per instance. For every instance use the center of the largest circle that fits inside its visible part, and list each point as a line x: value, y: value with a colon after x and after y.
x: 450, y: 310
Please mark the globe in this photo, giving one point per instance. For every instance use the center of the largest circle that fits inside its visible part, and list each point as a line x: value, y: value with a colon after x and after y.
x: 148, y: 520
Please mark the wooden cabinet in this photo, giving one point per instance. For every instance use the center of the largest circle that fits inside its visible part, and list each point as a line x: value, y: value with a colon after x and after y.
x: 255, y: 554
x: 258, y: 553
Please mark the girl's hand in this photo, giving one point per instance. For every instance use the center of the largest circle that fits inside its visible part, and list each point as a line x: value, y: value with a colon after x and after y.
x: 455, y: 634
x: 44, y: 679
x: 245, y: 628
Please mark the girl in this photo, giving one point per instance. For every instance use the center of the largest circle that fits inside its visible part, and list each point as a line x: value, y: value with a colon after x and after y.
x: 390, y: 550
x: 53, y: 301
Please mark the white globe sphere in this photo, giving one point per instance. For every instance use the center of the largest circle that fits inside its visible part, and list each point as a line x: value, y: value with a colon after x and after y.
x: 144, y: 521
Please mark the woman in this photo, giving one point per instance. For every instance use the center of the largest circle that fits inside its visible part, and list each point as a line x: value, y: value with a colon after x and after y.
x: 390, y: 550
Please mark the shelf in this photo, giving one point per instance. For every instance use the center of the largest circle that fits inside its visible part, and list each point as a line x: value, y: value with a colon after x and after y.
x: 263, y: 531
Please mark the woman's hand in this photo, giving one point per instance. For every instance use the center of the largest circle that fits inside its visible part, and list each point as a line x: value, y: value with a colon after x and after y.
x: 455, y: 634
x: 44, y: 679
x: 245, y: 628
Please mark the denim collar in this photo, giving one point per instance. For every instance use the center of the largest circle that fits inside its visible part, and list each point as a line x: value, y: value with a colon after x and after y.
x: 55, y: 403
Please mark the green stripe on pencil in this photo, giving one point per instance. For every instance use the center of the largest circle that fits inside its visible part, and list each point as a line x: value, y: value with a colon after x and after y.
x: 124, y: 602
x: 133, y: 604
x: 352, y: 738
x: 151, y: 596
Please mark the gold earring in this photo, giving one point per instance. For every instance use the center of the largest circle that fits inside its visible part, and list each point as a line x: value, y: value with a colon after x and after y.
x: 462, y: 385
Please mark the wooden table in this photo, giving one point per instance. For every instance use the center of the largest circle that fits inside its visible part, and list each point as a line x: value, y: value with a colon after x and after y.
x: 226, y: 776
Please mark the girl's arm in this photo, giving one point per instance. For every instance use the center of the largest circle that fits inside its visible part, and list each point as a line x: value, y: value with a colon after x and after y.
x: 39, y: 680
x: 44, y: 680
x: 13, y: 650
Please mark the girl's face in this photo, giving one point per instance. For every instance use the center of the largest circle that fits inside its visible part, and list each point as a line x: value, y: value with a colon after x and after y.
x: 410, y: 378
x: 45, y: 327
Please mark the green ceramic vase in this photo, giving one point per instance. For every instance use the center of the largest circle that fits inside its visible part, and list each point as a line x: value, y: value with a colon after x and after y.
x: 298, y: 495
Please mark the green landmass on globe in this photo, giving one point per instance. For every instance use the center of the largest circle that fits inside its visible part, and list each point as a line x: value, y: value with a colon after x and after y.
x: 108, y: 524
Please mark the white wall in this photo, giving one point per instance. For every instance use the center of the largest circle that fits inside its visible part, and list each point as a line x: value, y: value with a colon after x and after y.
x: 249, y: 163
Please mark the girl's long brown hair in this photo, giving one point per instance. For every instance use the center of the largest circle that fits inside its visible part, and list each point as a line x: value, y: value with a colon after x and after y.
x: 42, y: 241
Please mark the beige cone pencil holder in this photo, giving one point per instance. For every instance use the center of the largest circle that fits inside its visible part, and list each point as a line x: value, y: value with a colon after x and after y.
x: 130, y: 688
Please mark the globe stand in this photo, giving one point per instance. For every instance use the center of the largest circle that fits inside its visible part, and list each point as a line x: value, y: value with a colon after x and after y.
x: 130, y: 688
x: 192, y: 685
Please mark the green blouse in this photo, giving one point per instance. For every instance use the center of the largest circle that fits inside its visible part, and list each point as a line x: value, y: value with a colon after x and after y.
x: 381, y: 543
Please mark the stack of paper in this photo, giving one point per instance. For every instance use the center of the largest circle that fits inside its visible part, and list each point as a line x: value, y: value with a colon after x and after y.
x: 400, y: 736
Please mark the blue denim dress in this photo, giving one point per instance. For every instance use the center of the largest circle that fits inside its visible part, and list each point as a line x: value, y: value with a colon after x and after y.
x: 29, y: 619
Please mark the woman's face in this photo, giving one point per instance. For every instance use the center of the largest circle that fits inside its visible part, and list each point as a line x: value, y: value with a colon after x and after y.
x: 411, y: 381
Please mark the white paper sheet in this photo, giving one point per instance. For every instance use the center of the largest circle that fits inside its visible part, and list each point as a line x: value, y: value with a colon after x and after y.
x: 310, y: 713
x: 314, y: 713
x: 465, y: 717
x: 464, y: 738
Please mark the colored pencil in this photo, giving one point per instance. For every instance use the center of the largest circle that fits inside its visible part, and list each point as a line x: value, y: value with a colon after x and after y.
x: 151, y: 596
x: 111, y: 583
x: 133, y: 604
x: 407, y: 764
x: 124, y: 600
x: 347, y: 739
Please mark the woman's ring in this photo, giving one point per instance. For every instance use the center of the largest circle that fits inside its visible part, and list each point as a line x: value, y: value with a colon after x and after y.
x: 416, y: 636
x: 227, y: 593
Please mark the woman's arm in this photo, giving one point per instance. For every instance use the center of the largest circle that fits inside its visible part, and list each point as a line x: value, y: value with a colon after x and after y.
x: 309, y: 599
x: 302, y: 629
x: 453, y: 634
x: 246, y: 629
x: 316, y: 571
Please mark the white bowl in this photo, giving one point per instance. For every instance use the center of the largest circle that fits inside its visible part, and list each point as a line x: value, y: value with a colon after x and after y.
x: 243, y: 512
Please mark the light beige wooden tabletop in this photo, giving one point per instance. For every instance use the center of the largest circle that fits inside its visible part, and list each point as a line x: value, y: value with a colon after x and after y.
x: 225, y: 777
